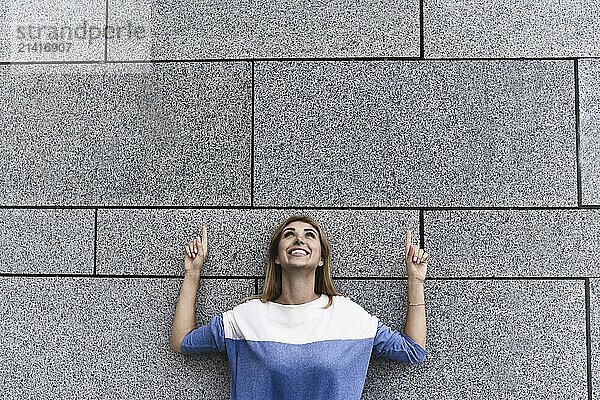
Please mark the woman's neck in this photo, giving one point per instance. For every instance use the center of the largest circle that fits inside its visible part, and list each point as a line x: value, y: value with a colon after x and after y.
x: 298, y: 289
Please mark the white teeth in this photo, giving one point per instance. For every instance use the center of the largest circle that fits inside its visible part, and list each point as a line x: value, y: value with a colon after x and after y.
x: 298, y: 251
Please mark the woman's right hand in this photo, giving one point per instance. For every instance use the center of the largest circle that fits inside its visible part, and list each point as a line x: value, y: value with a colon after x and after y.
x: 195, y: 253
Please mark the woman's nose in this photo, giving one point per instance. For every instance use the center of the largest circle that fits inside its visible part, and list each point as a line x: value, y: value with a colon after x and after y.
x: 298, y: 240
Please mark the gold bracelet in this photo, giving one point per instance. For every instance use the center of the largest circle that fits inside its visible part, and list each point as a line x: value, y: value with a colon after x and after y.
x: 413, y: 304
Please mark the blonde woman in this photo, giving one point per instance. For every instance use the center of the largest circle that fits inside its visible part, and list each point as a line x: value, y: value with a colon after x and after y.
x: 299, y: 339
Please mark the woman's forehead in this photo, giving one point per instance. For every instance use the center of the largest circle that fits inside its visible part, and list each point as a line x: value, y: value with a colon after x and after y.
x: 300, y: 225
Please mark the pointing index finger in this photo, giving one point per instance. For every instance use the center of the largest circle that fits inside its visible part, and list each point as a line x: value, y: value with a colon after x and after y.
x: 204, y: 238
x: 408, y: 240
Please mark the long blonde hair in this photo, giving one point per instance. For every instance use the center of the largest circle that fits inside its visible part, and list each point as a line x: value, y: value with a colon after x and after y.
x: 323, y: 280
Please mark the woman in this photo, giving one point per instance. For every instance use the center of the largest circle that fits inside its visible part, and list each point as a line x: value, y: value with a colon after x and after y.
x: 299, y: 339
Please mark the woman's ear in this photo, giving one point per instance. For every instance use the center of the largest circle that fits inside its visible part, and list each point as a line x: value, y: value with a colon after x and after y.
x: 321, y: 263
x: 277, y: 260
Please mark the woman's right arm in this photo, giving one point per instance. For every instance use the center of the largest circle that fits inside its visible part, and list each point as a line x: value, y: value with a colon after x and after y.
x: 185, y: 312
x: 184, y: 320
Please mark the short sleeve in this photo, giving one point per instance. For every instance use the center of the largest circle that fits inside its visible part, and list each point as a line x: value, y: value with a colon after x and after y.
x: 397, y: 346
x: 205, y: 338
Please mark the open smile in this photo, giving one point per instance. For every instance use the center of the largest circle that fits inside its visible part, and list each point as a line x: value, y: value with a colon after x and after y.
x: 298, y: 252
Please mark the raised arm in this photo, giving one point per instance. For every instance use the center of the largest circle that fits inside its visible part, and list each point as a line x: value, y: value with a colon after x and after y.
x: 416, y: 268
x: 185, y: 311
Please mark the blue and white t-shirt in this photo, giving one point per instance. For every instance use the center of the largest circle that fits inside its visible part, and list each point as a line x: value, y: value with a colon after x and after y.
x: 300, y: 351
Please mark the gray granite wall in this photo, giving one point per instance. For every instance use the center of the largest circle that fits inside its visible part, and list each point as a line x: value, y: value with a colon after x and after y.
x: 473, y: 123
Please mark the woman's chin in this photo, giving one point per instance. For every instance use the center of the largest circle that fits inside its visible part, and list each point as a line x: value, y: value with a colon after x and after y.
x: 300, y: 265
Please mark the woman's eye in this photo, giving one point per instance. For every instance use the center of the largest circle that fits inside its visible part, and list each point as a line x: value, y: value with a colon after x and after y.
x: 310, y: 234
x: 287, y: 234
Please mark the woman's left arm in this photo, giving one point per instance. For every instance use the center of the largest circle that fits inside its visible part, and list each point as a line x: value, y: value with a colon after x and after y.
x: 416, y: 268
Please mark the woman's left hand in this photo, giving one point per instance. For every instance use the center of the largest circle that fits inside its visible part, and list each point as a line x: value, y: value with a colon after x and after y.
x: 416, y: 259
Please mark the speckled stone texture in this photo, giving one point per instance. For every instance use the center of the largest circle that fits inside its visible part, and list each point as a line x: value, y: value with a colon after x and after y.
x: 484, y: 28
x: 454, y: 119
x: 513, y: 243
x: 55, y: 30
x: 420, y: 134
x: 43, y: 241
x: 243, y: 29
x: 589, y: 136
x: 363, y: 242
x: 101, y: 338
x: 153, y: 241
x: 126, y: 134
x: 501, y: 339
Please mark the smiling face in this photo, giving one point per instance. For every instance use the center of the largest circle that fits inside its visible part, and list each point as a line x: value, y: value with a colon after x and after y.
x: 299, y: 246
